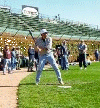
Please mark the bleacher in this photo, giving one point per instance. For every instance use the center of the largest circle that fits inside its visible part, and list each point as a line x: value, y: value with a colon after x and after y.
x: 23, y: 23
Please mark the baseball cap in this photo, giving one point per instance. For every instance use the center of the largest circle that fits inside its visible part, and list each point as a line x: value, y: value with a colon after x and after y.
x: 43, y: 31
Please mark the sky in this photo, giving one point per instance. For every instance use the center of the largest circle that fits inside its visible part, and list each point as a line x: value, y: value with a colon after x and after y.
x: 83, y: 11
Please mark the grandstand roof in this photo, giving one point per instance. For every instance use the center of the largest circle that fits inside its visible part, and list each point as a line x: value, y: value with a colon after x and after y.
x: 20, y: 24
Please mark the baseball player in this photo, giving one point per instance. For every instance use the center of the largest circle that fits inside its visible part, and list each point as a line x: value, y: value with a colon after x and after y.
x: 44, y: 47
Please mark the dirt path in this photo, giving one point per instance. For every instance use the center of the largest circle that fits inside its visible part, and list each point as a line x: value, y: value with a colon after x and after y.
x: 8, y: 87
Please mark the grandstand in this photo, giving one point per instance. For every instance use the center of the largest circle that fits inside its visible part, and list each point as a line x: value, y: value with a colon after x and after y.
x: 20, y: 24
x: 15, y: 28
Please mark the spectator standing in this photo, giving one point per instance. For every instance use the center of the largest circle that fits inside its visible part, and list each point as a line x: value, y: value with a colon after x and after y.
x: 13, y: 58
x: 44, y: 46
x: 1, y: 55
x: 18, y: 57
x: 1, y: 61
x: 82, y: 48
x: 36, y: 59
x: 97, y: 55
x: 64, y: 56
x: 58, y: 49
x: 31, y: 53
x: 7, y: 60
x: 55, y: 54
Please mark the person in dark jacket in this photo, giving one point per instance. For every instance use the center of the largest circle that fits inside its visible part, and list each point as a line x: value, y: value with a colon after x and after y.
x: 31, y: 53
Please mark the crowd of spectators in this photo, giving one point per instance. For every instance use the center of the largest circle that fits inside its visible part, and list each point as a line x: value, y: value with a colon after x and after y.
x: 14, y: 59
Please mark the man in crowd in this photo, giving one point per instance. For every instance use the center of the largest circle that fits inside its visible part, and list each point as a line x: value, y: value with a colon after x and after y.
x: 82, y: 47
x: 7, y: 60
x: 18, y: 56
x: 31, y: 53
x: 64, y: 56
x: 13, y: 58
x: 44, y: 47
x: 96, y: 54
x: 36, y: 59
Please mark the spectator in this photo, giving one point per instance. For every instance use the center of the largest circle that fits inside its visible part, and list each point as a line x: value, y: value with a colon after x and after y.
x: 82, y: 47
x: 7, y: 60
x: 59, y: 54
x: 64, y: 56
x: 13, y: 58
x: 31, y: 53
x: 55, y: 54
x: 97, y: 55
x: 1, y: 55
x: 18, y: 57
x: 1, y: 61
x: 36, y: 59
x: 44, y: 46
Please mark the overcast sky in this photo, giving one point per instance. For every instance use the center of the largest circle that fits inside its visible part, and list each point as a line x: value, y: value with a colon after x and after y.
x: 85, y: 11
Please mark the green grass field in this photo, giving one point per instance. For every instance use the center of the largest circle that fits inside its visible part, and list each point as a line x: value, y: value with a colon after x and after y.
x: 84, y: 93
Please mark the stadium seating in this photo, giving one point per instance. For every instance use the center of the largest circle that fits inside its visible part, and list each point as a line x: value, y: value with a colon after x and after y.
x: 24, y: 23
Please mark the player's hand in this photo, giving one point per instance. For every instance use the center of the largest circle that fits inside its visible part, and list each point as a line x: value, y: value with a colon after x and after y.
x: 39, y: 49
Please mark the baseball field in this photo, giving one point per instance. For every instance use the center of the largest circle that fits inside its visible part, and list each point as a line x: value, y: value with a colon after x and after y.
x: 84, y: 91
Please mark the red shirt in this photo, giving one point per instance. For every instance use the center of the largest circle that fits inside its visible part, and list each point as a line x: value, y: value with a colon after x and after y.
x: 6, y: 54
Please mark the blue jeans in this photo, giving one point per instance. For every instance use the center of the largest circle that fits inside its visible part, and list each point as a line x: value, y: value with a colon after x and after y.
x: 7, y: 64
x: 64, y: 62
x: 13, y: 63
x: 42, y: 60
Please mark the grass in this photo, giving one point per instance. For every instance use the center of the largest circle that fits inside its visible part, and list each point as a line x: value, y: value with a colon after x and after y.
x: 85, y: 91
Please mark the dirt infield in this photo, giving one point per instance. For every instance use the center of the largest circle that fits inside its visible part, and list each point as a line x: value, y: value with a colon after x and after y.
x: 8, y: 87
